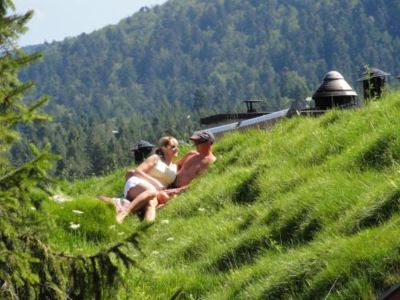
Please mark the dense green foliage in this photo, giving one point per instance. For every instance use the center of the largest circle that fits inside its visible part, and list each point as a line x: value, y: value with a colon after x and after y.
x: 309, y: 210
x: 29, y: 268
x: 144, y: 76
x: 18, y: 222
x: 279, y: 215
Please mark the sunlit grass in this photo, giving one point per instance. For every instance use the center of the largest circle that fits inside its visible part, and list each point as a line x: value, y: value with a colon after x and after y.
x: 308, y: 210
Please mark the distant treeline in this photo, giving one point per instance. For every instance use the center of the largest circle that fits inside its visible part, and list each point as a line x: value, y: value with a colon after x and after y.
x: 160, y: 70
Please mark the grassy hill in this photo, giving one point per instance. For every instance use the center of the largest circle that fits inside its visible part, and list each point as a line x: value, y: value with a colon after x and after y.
x: 309, y: 210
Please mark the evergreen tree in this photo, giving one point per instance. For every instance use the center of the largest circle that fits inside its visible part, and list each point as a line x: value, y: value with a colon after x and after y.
x: 17, y: 220
x: 28, y: 267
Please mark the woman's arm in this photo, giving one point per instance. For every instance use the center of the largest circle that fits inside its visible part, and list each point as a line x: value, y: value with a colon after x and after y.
x: 149, y: 179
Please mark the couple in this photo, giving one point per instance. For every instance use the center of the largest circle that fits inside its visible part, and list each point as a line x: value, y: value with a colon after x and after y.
x: 146, y: 187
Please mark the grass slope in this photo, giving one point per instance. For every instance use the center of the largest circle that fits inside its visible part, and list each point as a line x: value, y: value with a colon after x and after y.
x: 309, y: 210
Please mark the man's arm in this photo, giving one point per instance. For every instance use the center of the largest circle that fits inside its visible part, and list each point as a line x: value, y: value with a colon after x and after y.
x: 176, y: 191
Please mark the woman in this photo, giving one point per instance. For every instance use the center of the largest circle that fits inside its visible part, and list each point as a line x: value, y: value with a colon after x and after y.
x: 143, y: 184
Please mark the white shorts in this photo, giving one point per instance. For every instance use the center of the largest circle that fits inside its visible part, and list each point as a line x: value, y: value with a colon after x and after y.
x: 131, y: 183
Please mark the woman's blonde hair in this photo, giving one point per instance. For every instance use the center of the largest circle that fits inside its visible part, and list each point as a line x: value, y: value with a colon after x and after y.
x: 164, y: 142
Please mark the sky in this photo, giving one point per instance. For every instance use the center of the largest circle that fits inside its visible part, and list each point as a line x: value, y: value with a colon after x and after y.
x: 55, y: 20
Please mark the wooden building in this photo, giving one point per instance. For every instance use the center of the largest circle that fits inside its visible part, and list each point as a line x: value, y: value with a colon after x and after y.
x: 373, y: 82
x: 334, y: 92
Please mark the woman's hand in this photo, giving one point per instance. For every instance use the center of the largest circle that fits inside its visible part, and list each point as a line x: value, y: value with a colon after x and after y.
x: 158, y: 186
x: 162, y: 197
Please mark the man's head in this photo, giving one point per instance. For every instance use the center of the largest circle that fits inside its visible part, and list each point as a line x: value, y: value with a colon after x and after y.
x: 202, y: 137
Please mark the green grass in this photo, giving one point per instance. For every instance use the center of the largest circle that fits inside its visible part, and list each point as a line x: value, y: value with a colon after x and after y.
x: 85, y: 225
x: 309, y: 210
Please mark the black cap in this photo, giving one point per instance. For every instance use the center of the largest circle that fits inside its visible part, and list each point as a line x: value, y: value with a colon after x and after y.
x: 203, y: 137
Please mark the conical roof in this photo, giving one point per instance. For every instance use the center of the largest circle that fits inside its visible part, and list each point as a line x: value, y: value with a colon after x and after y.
x: 373, y: 73
x: 334, y: 85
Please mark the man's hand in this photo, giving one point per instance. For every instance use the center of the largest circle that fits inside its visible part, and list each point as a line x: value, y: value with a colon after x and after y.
x: 171, y: 192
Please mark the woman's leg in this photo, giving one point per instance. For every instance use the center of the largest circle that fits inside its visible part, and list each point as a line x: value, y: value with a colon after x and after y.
x: 150, y: 213
x: 118, y: 203
x: 141, y: 195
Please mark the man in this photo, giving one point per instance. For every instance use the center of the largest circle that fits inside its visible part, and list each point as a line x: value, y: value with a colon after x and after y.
x: 195, y: 162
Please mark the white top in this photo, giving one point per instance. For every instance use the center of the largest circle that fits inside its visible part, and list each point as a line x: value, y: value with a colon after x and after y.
x: 164, y: 174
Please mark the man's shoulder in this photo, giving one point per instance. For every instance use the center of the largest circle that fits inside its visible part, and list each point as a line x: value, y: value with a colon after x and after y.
x: 188, y: 156
x: 191, y: 153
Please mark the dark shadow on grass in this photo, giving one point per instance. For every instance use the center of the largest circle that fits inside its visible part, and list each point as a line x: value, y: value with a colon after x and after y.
x: 273, y: 216
x: 296, y: 230
x: 377, y: 155
x: 285, y: 289
x: 245, y: 253
x: 192, y: 252
x: 245, y: 223
x: 247, y: 192
x: 179, y: 294
x: 379, y: 214
x: 309, y: 229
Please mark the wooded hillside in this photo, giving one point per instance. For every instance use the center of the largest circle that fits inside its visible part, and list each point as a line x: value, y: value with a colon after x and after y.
x: 156, y: 72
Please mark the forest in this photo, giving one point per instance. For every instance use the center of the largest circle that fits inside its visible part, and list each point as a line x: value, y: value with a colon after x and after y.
x: 280, y: 213
x: 160, y: 70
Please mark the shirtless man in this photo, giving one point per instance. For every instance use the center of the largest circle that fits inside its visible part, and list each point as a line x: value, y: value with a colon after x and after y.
x: 195, y: 162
